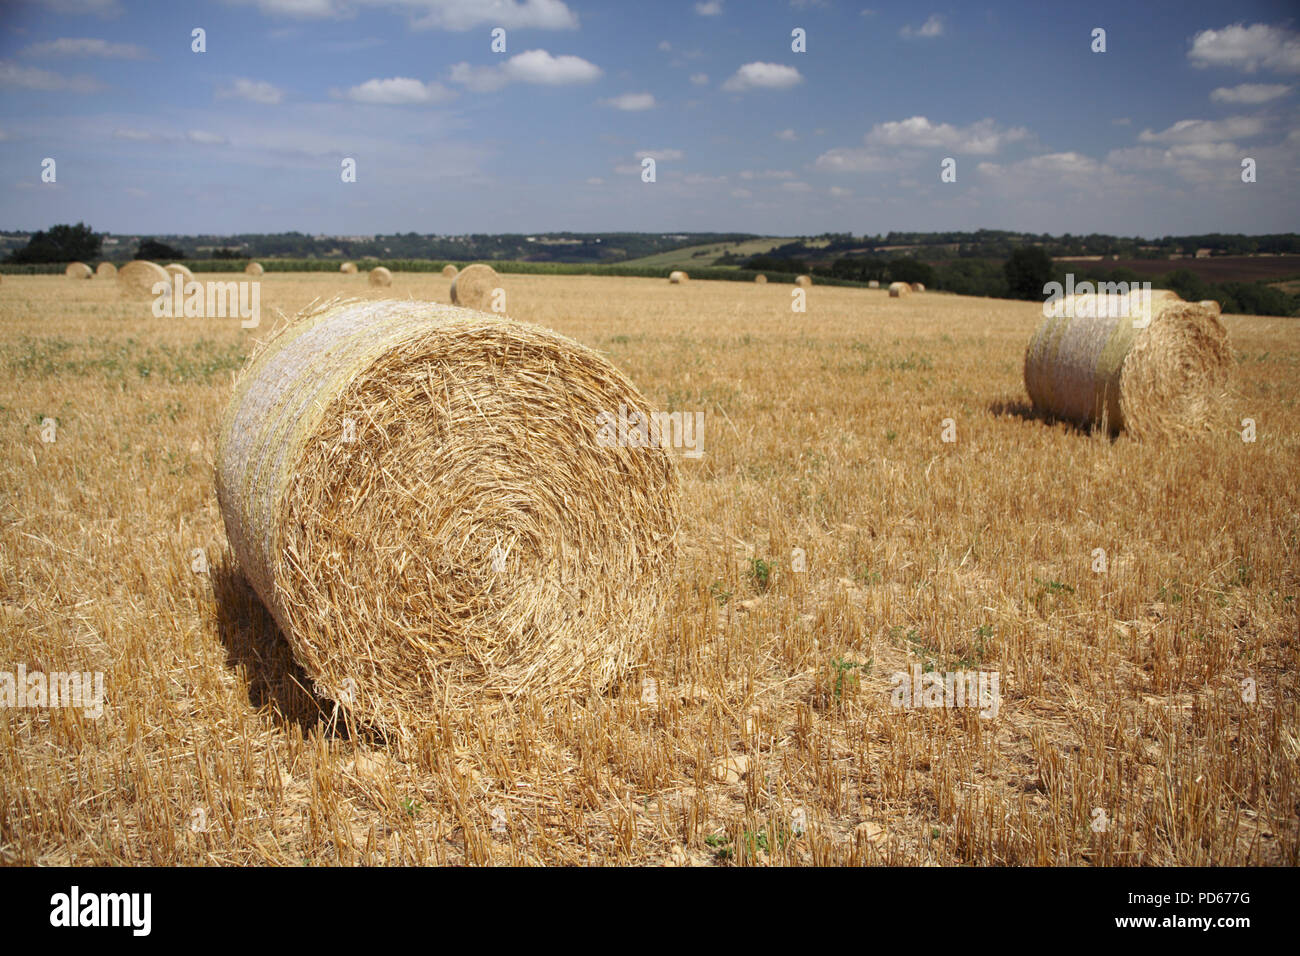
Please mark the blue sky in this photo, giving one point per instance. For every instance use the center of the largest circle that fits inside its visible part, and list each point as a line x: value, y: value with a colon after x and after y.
x: 1146, y: 138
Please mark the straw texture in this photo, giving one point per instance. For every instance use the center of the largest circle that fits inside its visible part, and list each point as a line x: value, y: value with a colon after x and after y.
x: 1160, y: 369
x: 474, y: 541
x: 138, y: 276
x: 106, y: 270
x: 472, y: 288
x: 380, y: 276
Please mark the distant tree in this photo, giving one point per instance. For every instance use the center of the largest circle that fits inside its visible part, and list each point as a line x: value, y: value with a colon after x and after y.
x: 776, y: 264
x: 60, y: 244
x: 1028, y: 269
x: 910, y: 270
x: 154, y: 250
x: 224, y: 254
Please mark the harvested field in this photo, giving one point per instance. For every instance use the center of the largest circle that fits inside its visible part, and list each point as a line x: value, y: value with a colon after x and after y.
x: 1161, y: 691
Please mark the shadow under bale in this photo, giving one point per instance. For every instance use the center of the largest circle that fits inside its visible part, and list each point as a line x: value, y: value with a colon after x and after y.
x: 1024, y: 410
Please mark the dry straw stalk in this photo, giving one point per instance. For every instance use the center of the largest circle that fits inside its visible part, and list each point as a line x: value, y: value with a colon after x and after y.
x: 137, y: 277
x: 380, y: 276
x: 1160, y: 369
x: 473, y: 287
x: 78, y: 270
x: 419, y: 496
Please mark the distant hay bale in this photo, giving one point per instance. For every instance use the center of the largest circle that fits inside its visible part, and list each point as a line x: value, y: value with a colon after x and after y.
x: 449, y: 271
x: 873, y: 284
x: 78, y: 270
x: 899, y: 290
x: 137, y: 277
x: 804, y: 281
x: 253, y: 269
x: 473, y: 287
x: 176, y: 269
x: 422, y: 498
x: 348, y: 267
x: 678, y: 276
x: 760, y: 279
x: 106, y: 270
x: 918, y: 287
x: 1161, y: 368
x: 380, y: 276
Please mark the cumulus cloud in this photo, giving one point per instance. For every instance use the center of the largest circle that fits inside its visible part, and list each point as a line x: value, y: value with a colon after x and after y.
x: 86, y: 46
x: 709, y: 8
x: 1247, y: 48
x: 535, y: 66
x: 398, y: 91
x: 1206, y: 131
x: 882, y: 143
x: 786, y: 135
x: 1251, y: 94
x: 766, y: 174
x: 932, y: 27
x: 763, y: 76
x: 631, y: 102
x: 700, y: 79
x: 454, y: 15
x: 255, y: 91
x: 660, y: 155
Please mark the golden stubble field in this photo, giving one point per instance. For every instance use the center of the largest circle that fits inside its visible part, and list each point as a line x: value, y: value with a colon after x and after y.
x: 1148, y: 715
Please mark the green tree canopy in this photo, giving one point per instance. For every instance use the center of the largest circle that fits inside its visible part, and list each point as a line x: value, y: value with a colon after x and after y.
x: 60, y: 244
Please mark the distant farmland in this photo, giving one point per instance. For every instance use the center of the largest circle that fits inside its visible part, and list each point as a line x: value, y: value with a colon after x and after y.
x: 1214, y: 269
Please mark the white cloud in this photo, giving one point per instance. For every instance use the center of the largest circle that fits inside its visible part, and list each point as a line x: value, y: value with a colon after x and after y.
x: 932, y: 27
x: 1206, y: 131
x: 660, y: 155
x: 595, y: 181
x: 982, y: 138
x: 796, y: 187
x: 840, y: 192
x: 398, y: 91
x: 204, y: 138
x: 86, y: 46
x: 135, y: 135
x: 255, y: 91
x: 631, y: 102
x: 455, y: 15
x: 709, y: 8
x: 535, y: 66
x: 741, y: 194
x: 1250, y: 93
x: 700, y: 79
x: 764, y: 76
x: 1247, y: 48
x: 699, y: 179
x: 766, y: 174
x: 80, y: 8
x: 786, y: 135
x: 30, y: 78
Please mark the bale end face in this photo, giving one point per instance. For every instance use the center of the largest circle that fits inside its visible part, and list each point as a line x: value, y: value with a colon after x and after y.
x: 380, y: 276
x: 253, y: 269
x: 106, y: 270
x: 804, y: 281
x: 474, y: 287
x: 760, y: 279
x: 78, y: 270
x: 449, y: 271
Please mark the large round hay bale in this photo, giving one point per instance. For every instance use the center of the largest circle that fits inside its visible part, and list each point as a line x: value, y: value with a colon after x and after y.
x: 760, y: 279
x: 873, y: 284
x: 253, y: 269
x: 78, y: 270
x: 1212, y: 305
x: 918, y: 287
x: 473, y: 287
x: 804, y: 281
x: 677, y: 276
x: 137, y: 277
x: 348, y: 267
x: 449, y: 271
x: 422, y: 497
x: 380, y: 276
x: 106, y: 270
x: 898, y: 290
x: 176, y: 269
x: 1121, y: 363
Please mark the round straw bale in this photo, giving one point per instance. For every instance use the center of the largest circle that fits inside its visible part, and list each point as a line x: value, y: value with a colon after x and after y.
x: 449, y: 271
x: 1119, y: 362
x: 677, y: 276
x: 425, y: 499
x: 380, y: 275
x: 473, y: 287
x: 873, y: 284
x: 253, y: 269
x: 804, y: 281
x: 106, y: 270
x: 137, y: 277
x: 78, y: 270
x: 898, y: 290
x: 177, y: 269
x: 760, y: 279
x: 918, y: 287
x: 348, y: 267
x: 1212, y: 306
